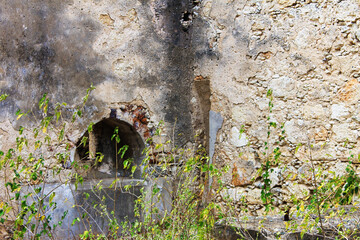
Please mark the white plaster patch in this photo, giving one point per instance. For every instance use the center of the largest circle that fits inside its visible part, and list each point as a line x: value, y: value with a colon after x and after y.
x: 339, y: 111
x: 301, y: 39
x: 234, y: 194
x: 296, y: 133
x: 313, y: 111
x: 283, y: 87
x: 245, y: 113
x: 238, y: 140
x: 343, y: 133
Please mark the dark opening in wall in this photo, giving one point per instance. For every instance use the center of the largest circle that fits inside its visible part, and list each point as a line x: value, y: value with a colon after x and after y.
x: 186, y: 20
x: 195, y: 2
x: 102, y: 140
x: 187, y: 16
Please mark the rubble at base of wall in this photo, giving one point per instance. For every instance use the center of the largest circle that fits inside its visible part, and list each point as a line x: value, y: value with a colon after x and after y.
x: 274, y: 227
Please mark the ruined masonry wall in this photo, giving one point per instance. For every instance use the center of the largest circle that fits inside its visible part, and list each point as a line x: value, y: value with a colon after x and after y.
x: 307, y: 52
x: 133, y: 52
x: 181, y: 59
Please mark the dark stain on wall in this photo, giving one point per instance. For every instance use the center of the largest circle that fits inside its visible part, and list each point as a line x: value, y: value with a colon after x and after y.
x: 201, y: 43
x: 41, y: 51
x: 44, y: 51
x: 176, y: 74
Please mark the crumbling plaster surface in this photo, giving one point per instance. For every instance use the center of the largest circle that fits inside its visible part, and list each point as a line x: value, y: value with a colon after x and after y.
x: 146, y: 52
x: 307, y: 52
x: 129, y: 50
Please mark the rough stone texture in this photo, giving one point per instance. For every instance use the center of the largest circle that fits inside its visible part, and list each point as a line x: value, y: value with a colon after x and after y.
x: 343, y: 132
x: 298, y: 191
x: 254, y: 196
x: 313, y: 111
x: 306, y: 52
x: 274, y: 227
x: 234, y: 194
x: 242, y: 172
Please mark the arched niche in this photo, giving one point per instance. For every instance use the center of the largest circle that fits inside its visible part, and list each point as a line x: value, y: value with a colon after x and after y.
x: 102, y: 140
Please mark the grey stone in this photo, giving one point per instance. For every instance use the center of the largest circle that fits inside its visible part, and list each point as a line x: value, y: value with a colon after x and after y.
x: 73, y: 200
x: 215, y: 123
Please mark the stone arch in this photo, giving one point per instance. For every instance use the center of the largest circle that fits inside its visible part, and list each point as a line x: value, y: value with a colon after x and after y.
x: 102, y: 140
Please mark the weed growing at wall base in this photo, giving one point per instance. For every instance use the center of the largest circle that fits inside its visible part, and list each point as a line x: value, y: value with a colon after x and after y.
x: 48, y: 193
x: 330, y: 210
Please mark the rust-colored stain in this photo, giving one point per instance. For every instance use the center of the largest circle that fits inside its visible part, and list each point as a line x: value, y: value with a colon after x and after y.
x: 200, y: 78
x: 106, y: 19
x: 321, y: 134
x: 156, y: 157
x: 236, y: 180
x: 264, y: 55
x: 139, y: 118
x: 349, y: 90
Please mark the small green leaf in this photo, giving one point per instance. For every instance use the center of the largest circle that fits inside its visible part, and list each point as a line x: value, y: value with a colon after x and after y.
x: 75, y: 220
x: 125, y: 163
x: 3, y: 97
x: 90, y: 127
x: 87, y: 195
x: 51, y: 198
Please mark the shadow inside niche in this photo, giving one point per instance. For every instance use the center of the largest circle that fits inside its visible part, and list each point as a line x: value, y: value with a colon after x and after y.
x: 103, y: 140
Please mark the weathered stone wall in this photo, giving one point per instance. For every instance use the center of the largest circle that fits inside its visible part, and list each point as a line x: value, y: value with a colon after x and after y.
x: 132, y: 51
x: 307, y: 52
x: 138, y: 56
x: 181, y: 59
